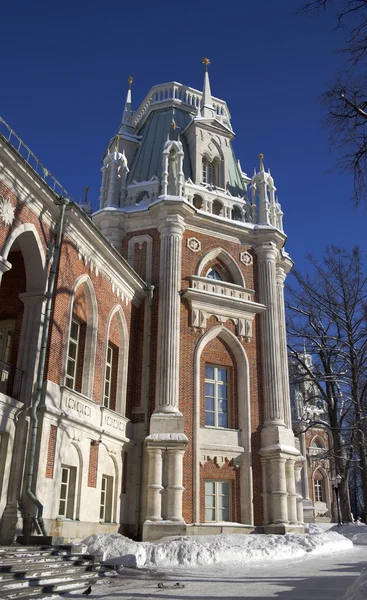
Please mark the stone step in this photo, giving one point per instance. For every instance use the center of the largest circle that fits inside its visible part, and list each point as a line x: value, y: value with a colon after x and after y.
x: 38, y: 571
x: 29, y: 557
x: 49, y: 592
x: 12, y: 568
x: 53, y: 580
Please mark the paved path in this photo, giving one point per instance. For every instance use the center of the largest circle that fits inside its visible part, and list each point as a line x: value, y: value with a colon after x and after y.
x: 319, y: 578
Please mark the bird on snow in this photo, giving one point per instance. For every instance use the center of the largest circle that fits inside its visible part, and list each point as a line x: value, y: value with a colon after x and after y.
x: 87, y: 591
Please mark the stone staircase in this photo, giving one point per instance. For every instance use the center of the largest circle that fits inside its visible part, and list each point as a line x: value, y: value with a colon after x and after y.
x: 46, y: 572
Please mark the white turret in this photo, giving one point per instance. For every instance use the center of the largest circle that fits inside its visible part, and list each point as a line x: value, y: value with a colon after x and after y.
x: 114, y: 173
x: 262, y: 186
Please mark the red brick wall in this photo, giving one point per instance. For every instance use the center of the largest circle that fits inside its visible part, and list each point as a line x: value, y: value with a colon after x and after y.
x: 70, y: 269
x: 189, y: 341
x: 93, y: 465
x: 51, y: 452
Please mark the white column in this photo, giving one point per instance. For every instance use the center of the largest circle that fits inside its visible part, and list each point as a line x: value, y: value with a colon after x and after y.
x: 284, y: 369
x: 297, y: 470
x: 270, y: 346
x: 5, y: 266
x: 279, y: 491
x: 265, y: 493
x: 168, y: 359
x: 304, y: 472
x: 291, y: 489
x: 154, y: 487
x: 175, y: 487
x: 30, y: 341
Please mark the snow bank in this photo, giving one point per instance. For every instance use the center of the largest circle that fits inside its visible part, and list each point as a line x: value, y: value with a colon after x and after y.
x: 358, y: 591
x: 356, y: 532
x: 191, y: 551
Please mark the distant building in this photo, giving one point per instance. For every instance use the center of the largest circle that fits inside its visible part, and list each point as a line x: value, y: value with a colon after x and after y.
x: 158, y: 373
x: 314, y: 441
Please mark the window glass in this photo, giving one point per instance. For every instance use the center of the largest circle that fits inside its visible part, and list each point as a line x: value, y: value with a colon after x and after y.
x: 217, y: 501
x: 216, y: 396
x: 214, y: 274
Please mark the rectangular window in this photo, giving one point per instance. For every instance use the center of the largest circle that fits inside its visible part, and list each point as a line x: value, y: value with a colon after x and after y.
x: 105, y: 509
x: 67, y: 492
x: 110, y: 380
x: 216, y: 396
x: 318, y: 491
x: 73, y: 353
x: 217, y: 501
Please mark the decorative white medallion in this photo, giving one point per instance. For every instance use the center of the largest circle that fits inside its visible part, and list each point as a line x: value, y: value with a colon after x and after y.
x: 193, y: 244
x: 6, y: 211
x: 246, y: 258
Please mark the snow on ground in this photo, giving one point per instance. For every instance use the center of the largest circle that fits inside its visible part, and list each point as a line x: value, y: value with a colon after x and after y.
x: 223, y: 549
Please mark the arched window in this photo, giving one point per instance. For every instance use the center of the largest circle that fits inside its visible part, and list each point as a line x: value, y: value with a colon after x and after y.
x: 198, y: 202
x: 209, y: 172
x: 317, y: 443
x: 237, y: 213
x: 214, y: 274
x: 217, y: 208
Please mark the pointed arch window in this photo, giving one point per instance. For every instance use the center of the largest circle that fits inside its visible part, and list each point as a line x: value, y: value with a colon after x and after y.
x: 209, y: 172
x: 214, y: 274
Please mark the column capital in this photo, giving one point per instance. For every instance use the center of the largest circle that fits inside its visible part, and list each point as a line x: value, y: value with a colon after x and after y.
x: 172, y: 224
x: 281, y: 275
x: 5, y: 265
x: 30, y: 298
x: 267, y: 251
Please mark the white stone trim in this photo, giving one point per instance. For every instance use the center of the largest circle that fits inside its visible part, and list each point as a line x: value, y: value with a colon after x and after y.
x: 225, y: 257
x: 91, y: 334
x: 36, y: 273
x: 141, y: 239
x: 243, y: 388
x: 123, y: 357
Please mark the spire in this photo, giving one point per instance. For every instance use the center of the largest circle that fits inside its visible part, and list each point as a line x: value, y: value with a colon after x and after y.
x: 261, y: 157
x: 207, y: 109
x: 127, y: 115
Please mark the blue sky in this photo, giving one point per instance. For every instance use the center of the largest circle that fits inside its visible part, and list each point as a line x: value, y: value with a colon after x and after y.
x: 64, y: 74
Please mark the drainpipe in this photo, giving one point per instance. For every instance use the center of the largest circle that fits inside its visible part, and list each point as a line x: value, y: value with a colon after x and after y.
x: 150, y: 290
x: 41, y: 371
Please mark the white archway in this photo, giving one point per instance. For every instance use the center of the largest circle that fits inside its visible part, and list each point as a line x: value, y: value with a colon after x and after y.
x: 123, y: 356
x: 91, y: 334
x: 227, y: 259
x: 33, y: 255
x: 243, y: 398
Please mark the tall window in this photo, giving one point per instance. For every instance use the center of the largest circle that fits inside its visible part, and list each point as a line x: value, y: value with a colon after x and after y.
x: 105, y: 509
x: 318, y: 491
x: 217, y: 501
x: 72, y: 354
x: 209, y: 172
x: 74, y: 366
x: 110, y: 380
x: 6, y: 339
x: 216, y: 396
x: 67, y: 492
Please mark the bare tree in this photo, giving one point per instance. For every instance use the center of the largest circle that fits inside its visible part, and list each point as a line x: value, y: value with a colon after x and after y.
x: 345, y: 98
x: 327, y: 312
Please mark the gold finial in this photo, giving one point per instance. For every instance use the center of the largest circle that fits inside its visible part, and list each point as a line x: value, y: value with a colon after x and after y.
x: 86, y: 189
x: 206, y: 62
x: 261, y: 156
x: 173, y: 127
x: 130, y: 80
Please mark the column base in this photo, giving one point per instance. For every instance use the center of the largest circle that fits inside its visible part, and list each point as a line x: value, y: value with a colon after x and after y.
x: 156, y: 531
x: 282, y: 528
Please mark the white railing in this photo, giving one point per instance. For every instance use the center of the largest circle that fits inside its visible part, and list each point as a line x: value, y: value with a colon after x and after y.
x: 7, y: 133
x: 223, y: 288
x: 180, y: 94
